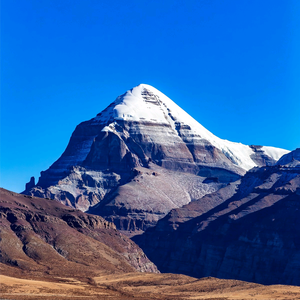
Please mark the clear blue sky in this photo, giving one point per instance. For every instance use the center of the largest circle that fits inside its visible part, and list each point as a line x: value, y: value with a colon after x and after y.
x: 233, y: 65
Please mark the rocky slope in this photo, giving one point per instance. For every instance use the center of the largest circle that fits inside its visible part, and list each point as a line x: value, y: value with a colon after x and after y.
x: 251, y: 234
x: 44, y: 237
x: 142, y: 156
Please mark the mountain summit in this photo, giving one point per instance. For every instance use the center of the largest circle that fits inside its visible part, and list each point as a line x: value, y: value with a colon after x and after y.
x: 145, y: 103
x: 142, y: 156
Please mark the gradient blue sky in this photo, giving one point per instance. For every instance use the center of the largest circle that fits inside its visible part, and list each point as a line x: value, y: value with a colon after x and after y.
x: 232, y: 65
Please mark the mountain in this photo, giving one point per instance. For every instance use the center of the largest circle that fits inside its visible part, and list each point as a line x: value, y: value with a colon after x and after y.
x: 250, y: 232
x: 43, y: 237
x: 50, y: 251
x: 141, y: 157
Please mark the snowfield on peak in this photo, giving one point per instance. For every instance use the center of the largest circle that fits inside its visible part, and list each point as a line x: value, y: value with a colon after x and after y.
x: 145, y: 103
x: 276, y: 153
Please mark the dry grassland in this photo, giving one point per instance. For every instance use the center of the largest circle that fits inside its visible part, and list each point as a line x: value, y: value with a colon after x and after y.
x: 142, y: 286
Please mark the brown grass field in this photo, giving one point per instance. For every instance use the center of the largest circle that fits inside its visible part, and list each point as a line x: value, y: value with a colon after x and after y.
x: 141, y: 286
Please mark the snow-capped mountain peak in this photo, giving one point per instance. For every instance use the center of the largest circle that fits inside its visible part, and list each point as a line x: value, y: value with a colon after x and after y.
x: 152, y: 152
x: 145, y: 103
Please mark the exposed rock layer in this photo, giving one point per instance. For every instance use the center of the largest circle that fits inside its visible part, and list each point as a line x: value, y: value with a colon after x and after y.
x: 252, y: 235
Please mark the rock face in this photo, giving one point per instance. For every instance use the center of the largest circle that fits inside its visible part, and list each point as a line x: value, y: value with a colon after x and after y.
x: 30, y: 184
x: 43, y: 236
x: 251, y: 234
x: 141, y: 157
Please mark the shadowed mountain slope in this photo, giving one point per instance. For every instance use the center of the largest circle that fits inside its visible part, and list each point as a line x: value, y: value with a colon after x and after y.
x: 252, y: 234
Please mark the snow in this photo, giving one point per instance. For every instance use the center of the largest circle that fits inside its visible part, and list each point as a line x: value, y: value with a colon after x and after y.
x: 146, y: 103
x: 276, y: 153
x: 108, y: 128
